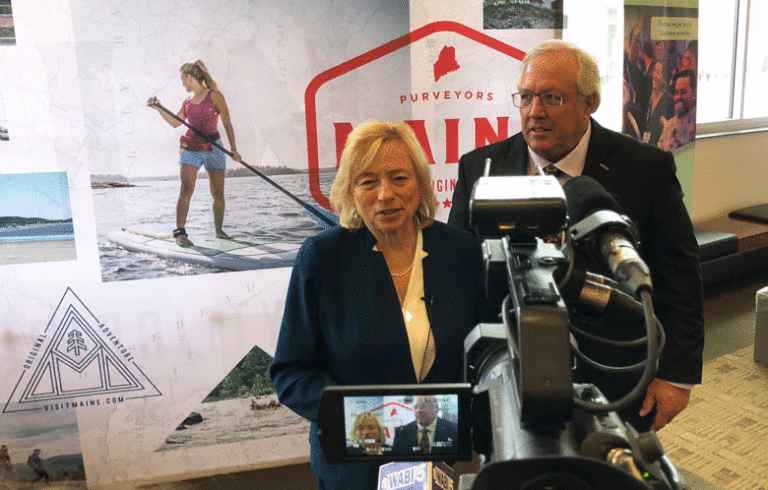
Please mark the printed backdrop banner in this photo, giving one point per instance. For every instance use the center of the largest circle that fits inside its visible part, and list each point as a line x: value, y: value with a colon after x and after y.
x: 127, y: 358
x: 660, y: 71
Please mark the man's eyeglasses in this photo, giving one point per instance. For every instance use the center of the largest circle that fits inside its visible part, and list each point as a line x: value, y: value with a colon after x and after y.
x: 548, y: 99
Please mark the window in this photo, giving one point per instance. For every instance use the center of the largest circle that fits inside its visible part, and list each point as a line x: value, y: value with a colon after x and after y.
x: 755, y: 103
x: 732, y: 65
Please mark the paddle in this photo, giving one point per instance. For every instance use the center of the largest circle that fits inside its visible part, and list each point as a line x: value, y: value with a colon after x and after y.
x: 306, y: 206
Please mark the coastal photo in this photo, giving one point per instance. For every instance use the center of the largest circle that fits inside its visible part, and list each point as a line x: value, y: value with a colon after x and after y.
x: 180, y: 200
x: 47, y: 457
x: 35, y: 218
x: 135, y: 219
x: 522, y: 14
x: 242, y: 407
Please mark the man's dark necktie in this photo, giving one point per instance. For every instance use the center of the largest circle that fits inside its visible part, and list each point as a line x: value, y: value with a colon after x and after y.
x: 424, y: 441
x: 552, y: 170
x: 561, y: 176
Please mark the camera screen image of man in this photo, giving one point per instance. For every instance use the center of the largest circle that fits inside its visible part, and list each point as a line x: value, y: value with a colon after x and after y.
x: 428, y: 434
x: 388, y: 297
x: 558, y: 91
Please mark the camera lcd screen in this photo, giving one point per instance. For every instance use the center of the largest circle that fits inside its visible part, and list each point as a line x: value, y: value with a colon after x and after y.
x: 372, y: 422
x: 395, y: 424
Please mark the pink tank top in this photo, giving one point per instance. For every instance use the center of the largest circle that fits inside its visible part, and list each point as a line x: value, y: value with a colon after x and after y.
x: 202, y: 116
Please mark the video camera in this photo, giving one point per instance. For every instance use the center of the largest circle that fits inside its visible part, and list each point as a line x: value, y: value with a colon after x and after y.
x: 532, y: 427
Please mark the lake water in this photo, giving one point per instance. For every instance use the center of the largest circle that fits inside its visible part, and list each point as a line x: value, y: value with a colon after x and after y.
x: 60, y: 231
x: 256, y: 212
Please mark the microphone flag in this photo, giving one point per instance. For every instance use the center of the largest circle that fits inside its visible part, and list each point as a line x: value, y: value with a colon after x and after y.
x: 416, y: 475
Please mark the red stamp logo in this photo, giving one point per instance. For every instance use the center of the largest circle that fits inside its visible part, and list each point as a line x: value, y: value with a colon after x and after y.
x: 445, y: 64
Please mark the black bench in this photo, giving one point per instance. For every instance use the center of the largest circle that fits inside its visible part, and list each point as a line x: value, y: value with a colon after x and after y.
x: 731, y: 248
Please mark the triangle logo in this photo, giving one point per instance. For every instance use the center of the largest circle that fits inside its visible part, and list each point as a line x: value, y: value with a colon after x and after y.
x: 77, y: 362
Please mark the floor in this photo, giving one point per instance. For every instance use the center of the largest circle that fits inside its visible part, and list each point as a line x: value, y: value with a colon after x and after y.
x: 729, y: 318
x: 729, y: 315
x: 723, y: 434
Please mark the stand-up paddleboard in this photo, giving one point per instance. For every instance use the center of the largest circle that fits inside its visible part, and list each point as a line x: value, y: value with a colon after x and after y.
x: 224, y: 253
x: 330, y: 218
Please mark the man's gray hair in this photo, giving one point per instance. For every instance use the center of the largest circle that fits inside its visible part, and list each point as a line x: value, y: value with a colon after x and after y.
x: 588, y: 79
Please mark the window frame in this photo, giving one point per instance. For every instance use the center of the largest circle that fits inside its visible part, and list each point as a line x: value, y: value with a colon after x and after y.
x: 736, y: 123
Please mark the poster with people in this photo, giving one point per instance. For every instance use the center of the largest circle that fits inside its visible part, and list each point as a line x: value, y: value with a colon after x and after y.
x: 660, y: 72
x: 138, y: 326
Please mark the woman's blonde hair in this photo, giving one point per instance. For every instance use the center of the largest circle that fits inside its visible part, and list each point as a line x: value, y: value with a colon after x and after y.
x: 368, y: 415
x: 363, y: 143
x: 199, y: 72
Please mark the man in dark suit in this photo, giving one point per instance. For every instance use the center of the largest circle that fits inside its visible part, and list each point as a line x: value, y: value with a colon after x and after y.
x: 559, y: 90
x: 428, y: 434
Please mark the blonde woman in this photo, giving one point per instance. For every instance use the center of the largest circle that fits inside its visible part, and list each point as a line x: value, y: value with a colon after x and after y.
x: 368, y: 435
x: 386, y: 298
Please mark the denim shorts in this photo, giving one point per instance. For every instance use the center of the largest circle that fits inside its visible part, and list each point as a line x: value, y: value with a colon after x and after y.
x: 212, y: 160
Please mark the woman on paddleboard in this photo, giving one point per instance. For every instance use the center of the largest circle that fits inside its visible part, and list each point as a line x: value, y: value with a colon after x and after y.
x: 202, y: 110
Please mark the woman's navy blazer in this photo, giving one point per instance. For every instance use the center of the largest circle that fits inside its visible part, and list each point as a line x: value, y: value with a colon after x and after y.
x: 343, y: 324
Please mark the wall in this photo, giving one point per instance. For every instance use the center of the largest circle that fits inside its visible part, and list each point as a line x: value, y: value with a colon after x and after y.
x: 730, y: 173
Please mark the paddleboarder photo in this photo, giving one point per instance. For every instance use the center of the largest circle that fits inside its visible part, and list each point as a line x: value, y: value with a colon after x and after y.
x: 136, y: 213
x: 200, y: 146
